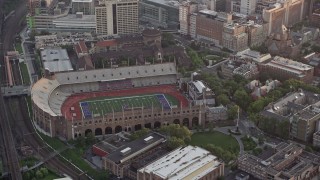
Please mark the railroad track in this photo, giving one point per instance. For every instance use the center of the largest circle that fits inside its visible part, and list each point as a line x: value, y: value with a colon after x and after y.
x: 11, y: 157
x: 26, y: 133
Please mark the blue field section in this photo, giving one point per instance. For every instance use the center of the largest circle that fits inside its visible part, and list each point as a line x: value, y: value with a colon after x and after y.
x: 163, y: 101
x: 86, y: 110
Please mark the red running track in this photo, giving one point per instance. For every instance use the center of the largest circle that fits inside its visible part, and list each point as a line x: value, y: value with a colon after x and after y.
x: 73, y: 100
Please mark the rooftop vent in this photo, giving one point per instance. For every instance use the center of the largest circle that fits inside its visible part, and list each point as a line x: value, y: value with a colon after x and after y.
x: 125, y: 151
x: 148, y: 139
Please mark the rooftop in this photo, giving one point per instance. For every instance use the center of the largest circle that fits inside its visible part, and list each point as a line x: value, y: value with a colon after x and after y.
x: 170, y: 3
x: 182, y: 162
x: 56, y: 60
x: 82, y: 0
x: 200, y: 86
x: 289, y: 64
x: 136, y: 147
x: 254, y: 55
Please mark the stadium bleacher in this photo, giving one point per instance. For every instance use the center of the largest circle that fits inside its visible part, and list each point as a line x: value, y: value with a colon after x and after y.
x: 86, y: 110
x: 114, y: 85
x: 163, y: 101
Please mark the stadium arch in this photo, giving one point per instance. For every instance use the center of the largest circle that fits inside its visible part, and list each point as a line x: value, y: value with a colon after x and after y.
x: 108, y: 130
x: 98, y: 132
x: 118, y: 129
x: 185, y: 122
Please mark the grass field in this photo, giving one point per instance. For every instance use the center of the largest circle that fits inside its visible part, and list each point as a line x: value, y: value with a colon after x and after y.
x: 18, y: 48
x: 215, y: 138
x: 103, y: 105
x: 25, y: 73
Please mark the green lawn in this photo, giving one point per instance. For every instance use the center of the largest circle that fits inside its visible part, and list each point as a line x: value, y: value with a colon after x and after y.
x: 103, y: 105
x: 18, y: 48
x: 30, y: 161
x: 216, y: 138
x: 53, y: 142
x: 75, y: 156
x: 51, y: 176
x: 25, y: 73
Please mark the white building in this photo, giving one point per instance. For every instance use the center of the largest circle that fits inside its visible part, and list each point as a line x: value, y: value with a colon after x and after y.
x: 117, y: 17
x: 185, y: 11
x: 183, y: 163
x: 75, y: 22
x: 85, y: 6
x: 200, y: 93
x: 248, y: 7
x: 56, y: 60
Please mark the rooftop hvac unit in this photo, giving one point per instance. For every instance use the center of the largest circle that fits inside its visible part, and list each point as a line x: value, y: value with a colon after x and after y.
x: 148, y: 139
x: 125, y: 151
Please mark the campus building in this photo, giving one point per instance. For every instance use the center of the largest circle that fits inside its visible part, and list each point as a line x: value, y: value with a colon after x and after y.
x: 185, y: 11
x: 84, y: 6
x: 248, y: 7
x: 160, y: 13
x: 124, y: 161
x: 285, y: 13
x: 184, y: 163
x: 207, y: 26
x: 283, y: 69
x: 55, y: 60
x: 200, y: 93
x: 285, y: 161
x: 301, y: 109
x: 234, y: 37
x: 117, y: 17
x: 316, y: 139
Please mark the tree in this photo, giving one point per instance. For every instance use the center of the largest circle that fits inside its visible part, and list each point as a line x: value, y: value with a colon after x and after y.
x: 223, y: 99
x: 175, y: 130
x: 39, y: 174
x: 81, y: 141
x: 140, y: 133
x: 174, y: 142
x: 44, y: 171
x: 90, y: 139
x: 242, y: 98
x: 232, y: 112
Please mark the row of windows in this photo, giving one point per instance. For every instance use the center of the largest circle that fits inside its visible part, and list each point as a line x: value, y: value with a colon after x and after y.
x: 136, y: 117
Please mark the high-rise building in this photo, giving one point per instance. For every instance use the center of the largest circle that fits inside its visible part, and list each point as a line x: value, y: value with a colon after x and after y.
x: 248, y: 6
x: 285, y: 13
x: 117, y: 17
x: 208, y: 25
x: 234, y: 37
x: 185, y: 11
x: 85, y: 6
x: 160, y: 13
x: 32, y: 6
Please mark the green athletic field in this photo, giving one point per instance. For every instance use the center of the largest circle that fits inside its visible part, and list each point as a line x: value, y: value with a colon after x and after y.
x: 104, y: 105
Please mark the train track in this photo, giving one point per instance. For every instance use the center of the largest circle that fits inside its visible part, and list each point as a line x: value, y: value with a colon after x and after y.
x: 26, y: 134
x: 11, y: 156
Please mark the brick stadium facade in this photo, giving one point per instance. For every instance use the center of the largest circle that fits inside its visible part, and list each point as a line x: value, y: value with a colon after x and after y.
x: 56, y: 109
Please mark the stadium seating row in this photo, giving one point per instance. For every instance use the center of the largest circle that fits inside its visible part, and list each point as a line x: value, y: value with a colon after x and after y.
x: 114, y: 85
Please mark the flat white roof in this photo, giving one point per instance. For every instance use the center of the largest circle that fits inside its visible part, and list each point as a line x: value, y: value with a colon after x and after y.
x: 182, y: 162
x: 200, y: 86
x: 56, y: 60
x: 125, y: 150
x: 82, y: 1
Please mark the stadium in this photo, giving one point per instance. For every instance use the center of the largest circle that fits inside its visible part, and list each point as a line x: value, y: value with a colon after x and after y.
x: 106, y: 101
